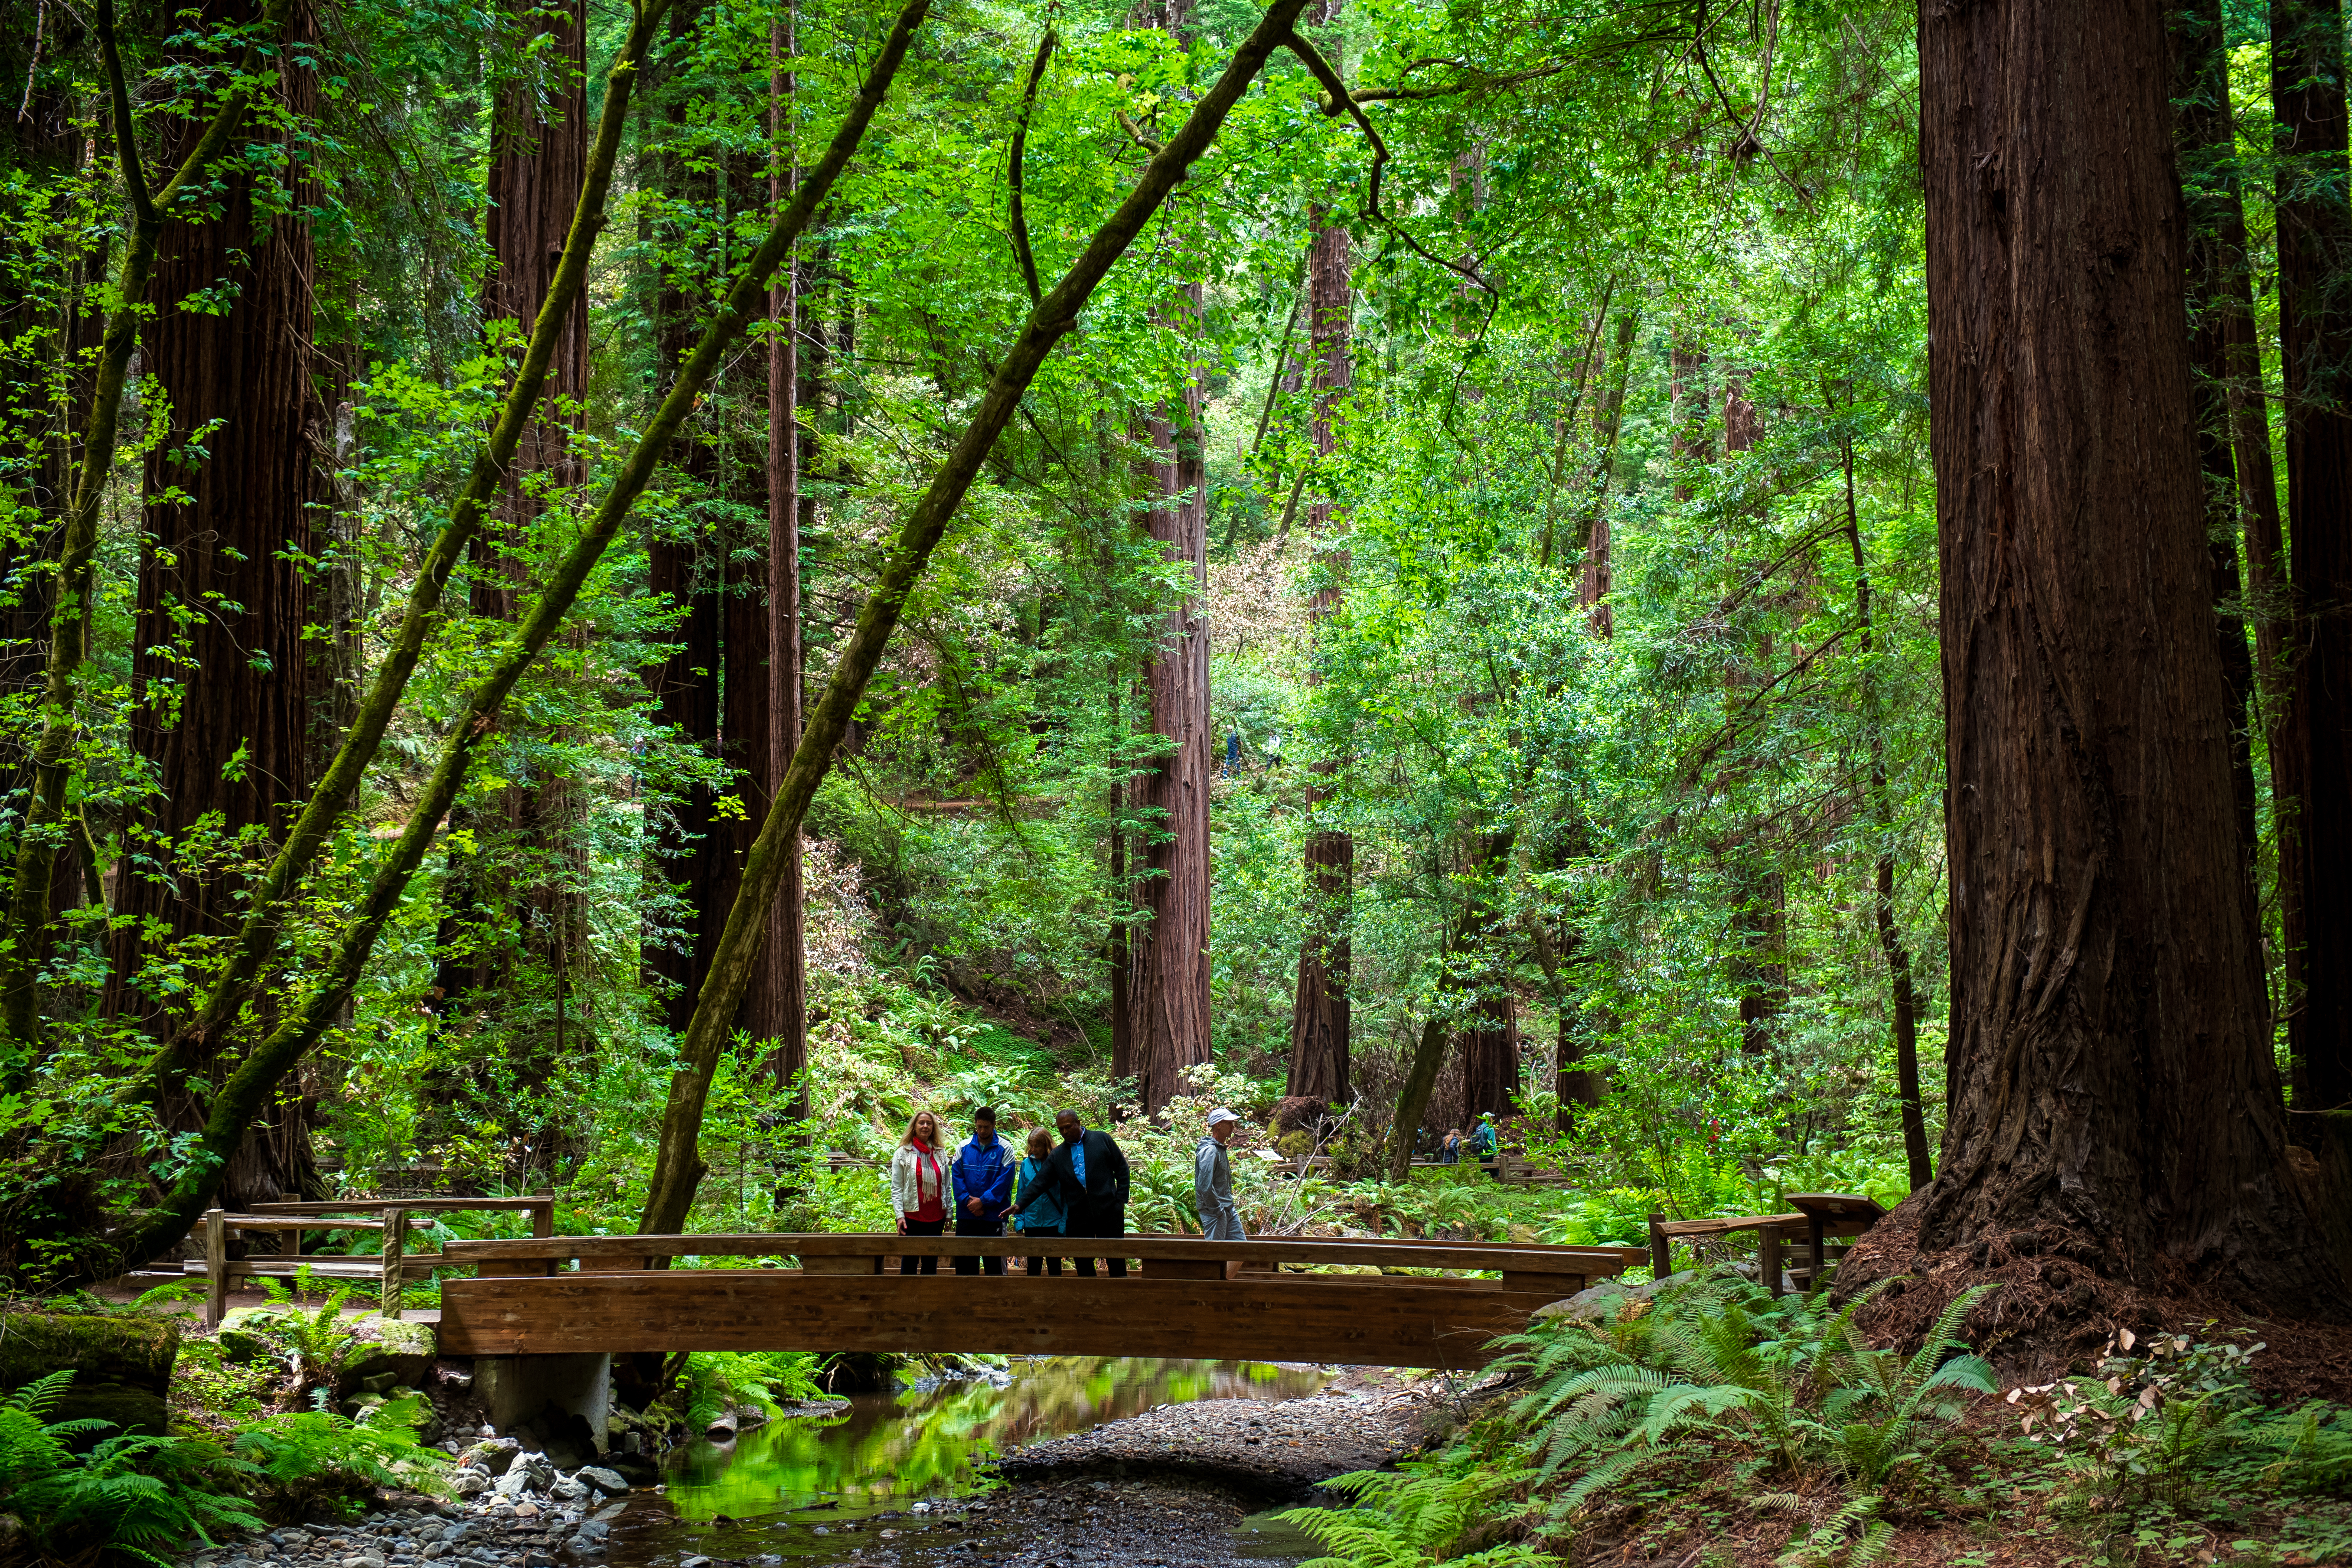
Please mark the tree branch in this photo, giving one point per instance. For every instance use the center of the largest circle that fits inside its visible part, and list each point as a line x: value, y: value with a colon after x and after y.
x: 1018, y: 219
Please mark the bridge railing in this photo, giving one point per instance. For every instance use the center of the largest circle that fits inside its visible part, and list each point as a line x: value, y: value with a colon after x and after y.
x: 1522, y: 1267
x: 1189, y: 1297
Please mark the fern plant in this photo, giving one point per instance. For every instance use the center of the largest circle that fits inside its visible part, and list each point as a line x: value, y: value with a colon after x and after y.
x: 313, y: 1338
x: 1412, y: 1517
x: 304, y: 1457
x: 715, y: 1382
x: 134, y: 1495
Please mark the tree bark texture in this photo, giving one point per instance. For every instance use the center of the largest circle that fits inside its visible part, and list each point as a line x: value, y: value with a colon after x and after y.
x: 227, y: 696
x: 2111, y: 1088
x: 1168, y: 987
x: 2314, y: 249
x: 1319, y: 1024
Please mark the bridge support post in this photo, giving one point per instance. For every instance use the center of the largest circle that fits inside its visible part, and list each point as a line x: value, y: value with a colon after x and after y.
x: 554, y: 1390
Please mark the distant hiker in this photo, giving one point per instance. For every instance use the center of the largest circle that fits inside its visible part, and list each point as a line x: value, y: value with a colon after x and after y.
x: 984, y: 1171
x: 1451, y: 1155
x: 1483, y: 1143
x: 918, y: 1187
x: 1213, y: 1180
x: 1090, y: 1173
x: 1233, y: 753
x: 1037, y: 1202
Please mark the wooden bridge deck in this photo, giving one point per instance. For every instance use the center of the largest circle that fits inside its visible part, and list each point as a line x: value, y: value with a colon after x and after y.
x: 1191, y: 1299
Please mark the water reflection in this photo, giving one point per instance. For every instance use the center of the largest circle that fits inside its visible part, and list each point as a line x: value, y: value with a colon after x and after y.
x: 887, y: 1450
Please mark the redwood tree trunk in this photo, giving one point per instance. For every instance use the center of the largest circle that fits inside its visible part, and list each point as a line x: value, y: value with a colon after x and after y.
x: 1490, y: 1046
x: 539, y: 155
x: 2315, y: 246
x: 1318, y: 1013
x: 2111, y: 1093
x: 1167, y: 983
x: 226, y: 698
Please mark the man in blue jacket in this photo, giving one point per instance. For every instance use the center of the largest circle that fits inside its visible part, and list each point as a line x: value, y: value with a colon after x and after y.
x: 982, y: 1173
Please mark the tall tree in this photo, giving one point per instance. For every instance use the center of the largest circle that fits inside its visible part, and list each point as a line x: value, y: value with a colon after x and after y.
x: 2217, y: 295
x: 689, y: 561
x: 2315, y: 260
x: 1168, y: 976
x: 1319, y: 1011
x: 2111, y: 1086
x: 776, y: 1006
x: 539, y: 155
x: 223, y: 672
x: 1490, y: 1043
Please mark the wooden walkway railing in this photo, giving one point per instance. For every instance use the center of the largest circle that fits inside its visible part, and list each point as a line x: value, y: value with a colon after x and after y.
x: 1188, y: 1298
x: 389, y: 1269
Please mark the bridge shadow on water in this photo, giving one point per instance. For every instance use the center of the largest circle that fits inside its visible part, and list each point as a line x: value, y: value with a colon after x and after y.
x: 848, y: 1488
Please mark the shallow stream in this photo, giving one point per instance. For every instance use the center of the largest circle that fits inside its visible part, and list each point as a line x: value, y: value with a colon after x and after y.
x: 894, y: 1478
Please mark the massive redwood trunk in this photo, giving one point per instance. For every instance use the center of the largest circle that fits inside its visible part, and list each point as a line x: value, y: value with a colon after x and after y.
x: 227, y: 697
x: 2112, y: 1099
x: 1168, y: 979
x: 1318, y: 1012
x: 2315, y: 248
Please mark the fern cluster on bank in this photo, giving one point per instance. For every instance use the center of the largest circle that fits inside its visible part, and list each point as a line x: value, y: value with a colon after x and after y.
x: 125, y: 1494
x: 1808, y: 1418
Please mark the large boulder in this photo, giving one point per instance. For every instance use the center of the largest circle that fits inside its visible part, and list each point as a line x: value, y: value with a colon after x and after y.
x: 250, y: 1334
x: 121, y: 1366
x: 379, y: 1347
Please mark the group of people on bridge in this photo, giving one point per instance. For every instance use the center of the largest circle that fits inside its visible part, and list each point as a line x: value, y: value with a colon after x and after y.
x: 1077, y: 1188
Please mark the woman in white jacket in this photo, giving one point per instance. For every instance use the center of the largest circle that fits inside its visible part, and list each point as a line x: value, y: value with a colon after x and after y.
x: 918, y: 1186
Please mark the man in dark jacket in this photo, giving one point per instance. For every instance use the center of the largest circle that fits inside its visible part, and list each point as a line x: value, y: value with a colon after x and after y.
x: 1091, y: 1174
x: 984, y: 1171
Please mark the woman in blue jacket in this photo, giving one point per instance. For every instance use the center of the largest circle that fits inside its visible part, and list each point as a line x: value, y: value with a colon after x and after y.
x: 1037, y: 1206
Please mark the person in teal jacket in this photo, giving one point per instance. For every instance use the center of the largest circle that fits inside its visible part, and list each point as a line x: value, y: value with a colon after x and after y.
x: 1037, y: 1206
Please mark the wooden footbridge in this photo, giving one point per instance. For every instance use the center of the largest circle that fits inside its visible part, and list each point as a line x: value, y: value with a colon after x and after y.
x: 1431, y: 1304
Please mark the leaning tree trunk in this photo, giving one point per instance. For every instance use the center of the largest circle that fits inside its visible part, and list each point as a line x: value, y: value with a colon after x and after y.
x: 1167, y: 983
x: 2315, y: 248
x: 2113, y: 1103
x: 226, y: 697
x: 1318, y: 1014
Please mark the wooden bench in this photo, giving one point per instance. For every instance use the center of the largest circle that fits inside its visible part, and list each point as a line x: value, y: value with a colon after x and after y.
x: 389, y: 1269
x: 1819, y: 1217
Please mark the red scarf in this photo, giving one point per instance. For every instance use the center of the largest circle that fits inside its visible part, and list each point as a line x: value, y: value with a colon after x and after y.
x: 929, y: 1206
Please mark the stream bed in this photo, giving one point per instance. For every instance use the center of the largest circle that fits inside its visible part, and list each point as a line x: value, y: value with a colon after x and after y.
x: 903, y: 1480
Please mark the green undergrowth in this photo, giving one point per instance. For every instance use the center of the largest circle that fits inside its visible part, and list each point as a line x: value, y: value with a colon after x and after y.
x: 1718, y: 1413
x: 84, y: 1494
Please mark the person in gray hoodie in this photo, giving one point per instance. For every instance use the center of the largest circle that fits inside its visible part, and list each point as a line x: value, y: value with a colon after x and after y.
x: 1213, y: 1180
